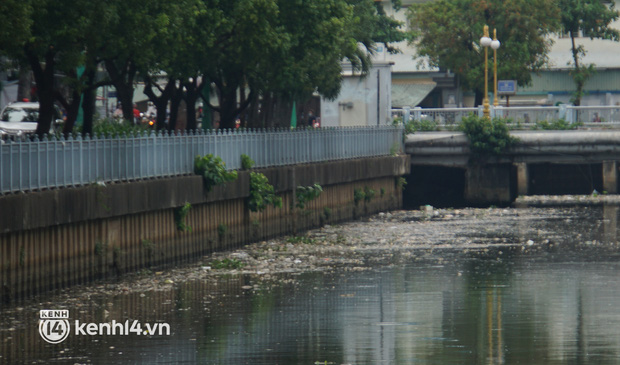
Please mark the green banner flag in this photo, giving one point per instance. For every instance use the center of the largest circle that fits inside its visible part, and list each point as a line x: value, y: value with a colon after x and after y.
x: 294, y: 117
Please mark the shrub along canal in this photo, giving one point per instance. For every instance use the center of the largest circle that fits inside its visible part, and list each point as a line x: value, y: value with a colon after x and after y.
x: 530, y: 285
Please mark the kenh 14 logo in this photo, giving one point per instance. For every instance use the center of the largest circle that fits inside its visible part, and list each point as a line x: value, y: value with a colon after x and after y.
x: 54, y: 325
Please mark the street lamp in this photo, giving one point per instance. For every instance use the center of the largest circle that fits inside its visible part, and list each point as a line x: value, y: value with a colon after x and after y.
x: 485, y: 42
x: 495, y: 45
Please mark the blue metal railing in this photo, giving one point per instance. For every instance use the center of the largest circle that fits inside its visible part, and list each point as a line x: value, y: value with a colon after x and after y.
x: 58, y: 162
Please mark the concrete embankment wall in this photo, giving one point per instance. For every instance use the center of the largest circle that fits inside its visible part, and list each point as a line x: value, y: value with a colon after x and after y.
x: 59, y: 238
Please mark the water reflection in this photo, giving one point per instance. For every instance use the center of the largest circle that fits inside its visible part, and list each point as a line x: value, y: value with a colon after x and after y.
x: 558, y: 305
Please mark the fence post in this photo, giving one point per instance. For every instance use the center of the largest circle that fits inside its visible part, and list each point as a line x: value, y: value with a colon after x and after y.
x: 417, y: 113
x: 480, y: 111
x: 406, y: 114
x: 562, y: 111
x: 570, y: 115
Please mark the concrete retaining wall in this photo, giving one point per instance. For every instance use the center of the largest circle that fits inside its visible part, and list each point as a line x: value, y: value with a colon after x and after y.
x: 59, y: 238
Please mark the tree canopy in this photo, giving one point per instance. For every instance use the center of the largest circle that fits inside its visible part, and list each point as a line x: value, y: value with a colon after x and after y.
x: 593, y: 19
x: 248, y: 49
x: 447, y: 33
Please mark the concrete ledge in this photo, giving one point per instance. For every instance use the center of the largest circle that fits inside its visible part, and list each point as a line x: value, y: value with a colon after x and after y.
x: 61, y: 206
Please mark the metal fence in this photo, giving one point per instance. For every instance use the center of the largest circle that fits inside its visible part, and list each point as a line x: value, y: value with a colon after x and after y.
x: 522, y: 116
x: 35, y: 165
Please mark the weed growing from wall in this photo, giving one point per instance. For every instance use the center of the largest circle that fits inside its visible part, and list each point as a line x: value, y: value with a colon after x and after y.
x: 304, y: 194
x: 246, y: 162
x: 261, y: 193
x: 369, y: 193
x: 358, y: 196
x: 180, y: 214
x: 213, y: 171
x: 556, y: 125
x: 487, y: 137
x: 222, y: 229
x: 327, y: 213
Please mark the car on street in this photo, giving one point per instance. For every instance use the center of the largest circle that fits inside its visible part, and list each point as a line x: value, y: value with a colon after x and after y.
x: 20, y: 119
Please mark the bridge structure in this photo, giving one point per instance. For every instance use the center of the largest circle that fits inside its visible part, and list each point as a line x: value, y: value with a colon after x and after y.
x: 541, y: 162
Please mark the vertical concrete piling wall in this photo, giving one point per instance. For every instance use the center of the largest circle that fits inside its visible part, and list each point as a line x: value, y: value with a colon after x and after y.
x: 59, y: 238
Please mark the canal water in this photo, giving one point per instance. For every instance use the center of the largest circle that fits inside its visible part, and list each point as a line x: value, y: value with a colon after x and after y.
x: 553, y: 301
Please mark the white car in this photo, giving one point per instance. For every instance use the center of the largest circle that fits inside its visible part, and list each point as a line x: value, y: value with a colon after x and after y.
x: 21, y: 118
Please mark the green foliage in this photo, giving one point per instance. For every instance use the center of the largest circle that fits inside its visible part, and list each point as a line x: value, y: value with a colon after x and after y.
x: 358, y: 196
x: 180, y: 214
x: 227, y: 264
x: 148, y: 245
x: 222, y: 229
x: 369, y: 193
x: 421, y: 126
x: 246, y: 162
x: 110, y: 127
x: 447, y: 33
x: 327, y: 213
x: 100, y: 248
x: 401, y: 182
x: 22, y: 255
x: 261, y: 193
x: 301, y: 239
x: 594, y: 19
x: 213, y: 171
x: 382, y: 192
x: 487, y: 137
x: 304, y: 194
x: 556, y: 125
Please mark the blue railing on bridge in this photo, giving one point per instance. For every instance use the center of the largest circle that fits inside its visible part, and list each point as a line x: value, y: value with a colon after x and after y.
x: 524, y: 117
x: 59, y: 162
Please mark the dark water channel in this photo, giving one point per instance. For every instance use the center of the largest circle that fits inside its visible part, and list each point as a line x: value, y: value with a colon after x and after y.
x: 558, y: 304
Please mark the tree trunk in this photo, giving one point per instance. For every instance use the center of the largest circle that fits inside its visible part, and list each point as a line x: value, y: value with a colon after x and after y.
x: 161, y: 102
x: 88, y: 103
x: 253, y: 114
x: 267, y: 110
x: 478, y: 98
x: 578, y: 80
x: 190, y: 99
x: 228, y: 108
x: 123, y: 82
x: 71, y: 109
x: 177, y: 96
x: 44, y: 78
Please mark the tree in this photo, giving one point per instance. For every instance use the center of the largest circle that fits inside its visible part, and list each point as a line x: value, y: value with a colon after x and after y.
x: 55, y: 46
x: 447, y: 34
x: 593, y: 18
x: 15, y: 25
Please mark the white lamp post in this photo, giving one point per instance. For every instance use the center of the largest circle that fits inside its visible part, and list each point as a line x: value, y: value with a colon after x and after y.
x: 495, y: 45
x: 485, y: 42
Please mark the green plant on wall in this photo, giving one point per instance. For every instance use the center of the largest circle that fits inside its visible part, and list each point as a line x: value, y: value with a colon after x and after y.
x: 556, y: 125
x: 487, y: 137
x: 401, y: 182
x: 213, y: 171
x: 100, y: 247
x: 222, y: 229
x: 180, y: 214
x: 261, y: 193
x: 246, y: 162
x: 358, y: 196
x: 369, y: 193
x: 304, y: 194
